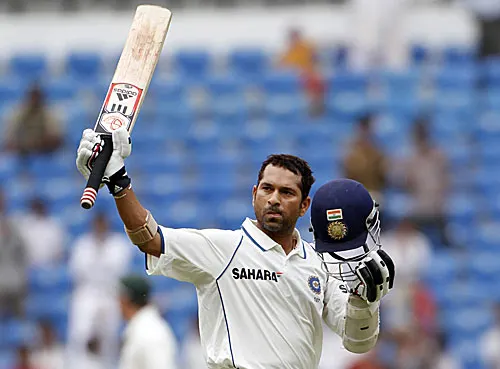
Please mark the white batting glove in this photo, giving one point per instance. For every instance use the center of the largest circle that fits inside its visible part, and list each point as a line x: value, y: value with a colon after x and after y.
x: 375, y: 274
x: 90, y: 146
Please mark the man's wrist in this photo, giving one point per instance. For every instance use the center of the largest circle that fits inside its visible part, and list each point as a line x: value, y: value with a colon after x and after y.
x: 118, y: 182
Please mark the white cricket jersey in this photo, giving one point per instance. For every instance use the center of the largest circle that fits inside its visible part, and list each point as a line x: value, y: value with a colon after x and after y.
x: 258, y: 307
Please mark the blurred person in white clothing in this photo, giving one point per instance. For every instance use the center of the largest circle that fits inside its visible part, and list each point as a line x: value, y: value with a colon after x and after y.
x: 490, y: 342
x: 46, y: 238
x: 409, y: 246
x: 98, y: 260
x: 193, y: 356
x: 148, y: 341
x: 334, y: 355
x: 49, y: 353
x: 378, y: 37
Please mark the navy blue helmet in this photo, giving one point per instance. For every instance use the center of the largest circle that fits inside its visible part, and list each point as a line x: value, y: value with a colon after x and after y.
x: 346, y: 226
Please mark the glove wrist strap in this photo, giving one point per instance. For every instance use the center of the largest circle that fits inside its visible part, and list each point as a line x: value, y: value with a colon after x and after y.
x: 118, y: 182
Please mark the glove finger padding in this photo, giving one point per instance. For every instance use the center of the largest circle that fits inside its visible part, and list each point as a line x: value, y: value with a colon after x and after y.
x: 376, y: 273
x: 122, y: 143
x: 390, y: 266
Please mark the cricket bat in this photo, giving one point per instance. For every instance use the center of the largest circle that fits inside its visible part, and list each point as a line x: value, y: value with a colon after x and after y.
x: 128, y: 86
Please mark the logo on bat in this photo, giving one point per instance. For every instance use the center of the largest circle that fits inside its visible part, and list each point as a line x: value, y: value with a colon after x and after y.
x: 119, y: 107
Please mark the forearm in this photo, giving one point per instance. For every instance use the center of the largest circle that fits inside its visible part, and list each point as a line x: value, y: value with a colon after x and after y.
x: 133, y: 216
x: 361, y: 325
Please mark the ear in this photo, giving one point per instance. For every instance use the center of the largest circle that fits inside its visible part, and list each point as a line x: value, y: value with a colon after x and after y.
x: 254, y: 191
x: 304, y: 206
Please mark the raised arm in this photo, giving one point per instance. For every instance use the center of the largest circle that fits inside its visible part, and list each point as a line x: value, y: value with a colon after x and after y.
x: 140, y: 225
x: 135, y: 218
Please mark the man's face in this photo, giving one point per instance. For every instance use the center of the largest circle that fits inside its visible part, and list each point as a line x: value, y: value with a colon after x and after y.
x: 277, y: 200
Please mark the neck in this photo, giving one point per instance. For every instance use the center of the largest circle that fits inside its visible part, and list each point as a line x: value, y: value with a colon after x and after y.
x: 285, y: 239
x: 131, y: 312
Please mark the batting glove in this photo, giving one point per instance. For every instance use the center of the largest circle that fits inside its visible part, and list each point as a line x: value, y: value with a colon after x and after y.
x: 375, y: 276
x: 115, y: 175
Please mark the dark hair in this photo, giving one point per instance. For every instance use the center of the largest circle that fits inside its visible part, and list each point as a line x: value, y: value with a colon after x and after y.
x: 295, y: 165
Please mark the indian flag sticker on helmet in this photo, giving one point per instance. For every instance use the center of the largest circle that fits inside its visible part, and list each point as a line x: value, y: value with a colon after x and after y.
x: 333, y: 214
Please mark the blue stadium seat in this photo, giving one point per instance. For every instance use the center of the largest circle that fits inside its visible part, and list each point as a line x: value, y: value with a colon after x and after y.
x: 233, y: 110
x: 420, y: 55
x: 347, y: 106
x: 167, y: 90
x: 455, y: 101
x: 84, y: 66
x: 397, y: 204
x: 461, y: 207
x: 336, y: 57
x: 7, y: 359
x: 347, y: 81
x: 460, y: 293
x: 285, y: 109
x: 60, y: 90
x: 192, y: 64
x: 443, y: 270
x: 451, y: 78
x: 9, y: 166
x: 488, y: 126
x: 53, y: 279
x: 231, y: 212
x: 467, y: 321
x: 180, y: 112
x: 248, y: 63
x: 484, y: 266
x: 457, y: 56
x: 227, y: 85
x: 491, y: 72
x: 11, y: 91
x: 28, y: 67
x: 20, y: 332
x: 282, y: 83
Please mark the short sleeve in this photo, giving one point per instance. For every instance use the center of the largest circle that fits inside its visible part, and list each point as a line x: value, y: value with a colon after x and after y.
x: 334, y: 311
x: 193, y: 255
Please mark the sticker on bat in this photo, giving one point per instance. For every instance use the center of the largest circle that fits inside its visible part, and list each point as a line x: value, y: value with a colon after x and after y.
x: 119, y: 106
x: 113, y: 121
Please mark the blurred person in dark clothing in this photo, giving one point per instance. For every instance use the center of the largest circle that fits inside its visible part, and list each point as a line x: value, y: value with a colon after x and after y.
x: 34, y: 128
x: 425, y: 176
x: 13, y: 265
x: 487, y: 13
x: 365, y: 162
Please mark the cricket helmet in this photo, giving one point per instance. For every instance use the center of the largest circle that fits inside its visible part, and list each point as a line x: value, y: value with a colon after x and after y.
x: 346, y: 226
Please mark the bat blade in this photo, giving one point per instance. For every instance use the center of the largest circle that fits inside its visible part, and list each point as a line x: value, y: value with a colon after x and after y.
x: 129, y: 85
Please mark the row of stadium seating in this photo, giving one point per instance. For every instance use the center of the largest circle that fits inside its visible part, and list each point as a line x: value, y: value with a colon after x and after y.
x: 197, y: 62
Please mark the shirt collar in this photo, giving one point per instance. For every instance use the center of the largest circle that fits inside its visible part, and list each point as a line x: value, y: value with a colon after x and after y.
x: 266, y: 243
x: 139, y: 316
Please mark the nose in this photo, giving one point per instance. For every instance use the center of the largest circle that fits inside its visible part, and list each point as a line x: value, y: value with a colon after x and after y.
x: 274, y: 199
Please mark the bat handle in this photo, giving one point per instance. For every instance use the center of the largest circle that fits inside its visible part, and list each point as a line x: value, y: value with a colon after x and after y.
x: 94, y: 182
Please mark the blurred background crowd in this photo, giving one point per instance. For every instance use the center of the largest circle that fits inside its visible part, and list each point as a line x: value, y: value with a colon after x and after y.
x: 418, y: 125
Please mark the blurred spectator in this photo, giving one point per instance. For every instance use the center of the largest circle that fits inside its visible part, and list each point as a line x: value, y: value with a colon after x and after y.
x: 193, y: 354
x: 439, y: 355
x: 13, y: 264
x: 301, y: 56
x: 377, y: 34
x: 300, y: 53
x: 98, y: 260
x: 426, y: 179
x: 34, y: 129
x: 46, y: 238
x: 367, y: 361
x: 490, y: 342
x: 411, y: 252
x: 487, y: 13
x: 24, y: 358
x: 365, y: 162
x: 148, y: 341
x: 49, y: 353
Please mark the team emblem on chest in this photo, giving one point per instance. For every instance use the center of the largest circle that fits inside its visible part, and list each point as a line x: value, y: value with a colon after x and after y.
x: 314, y: 284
